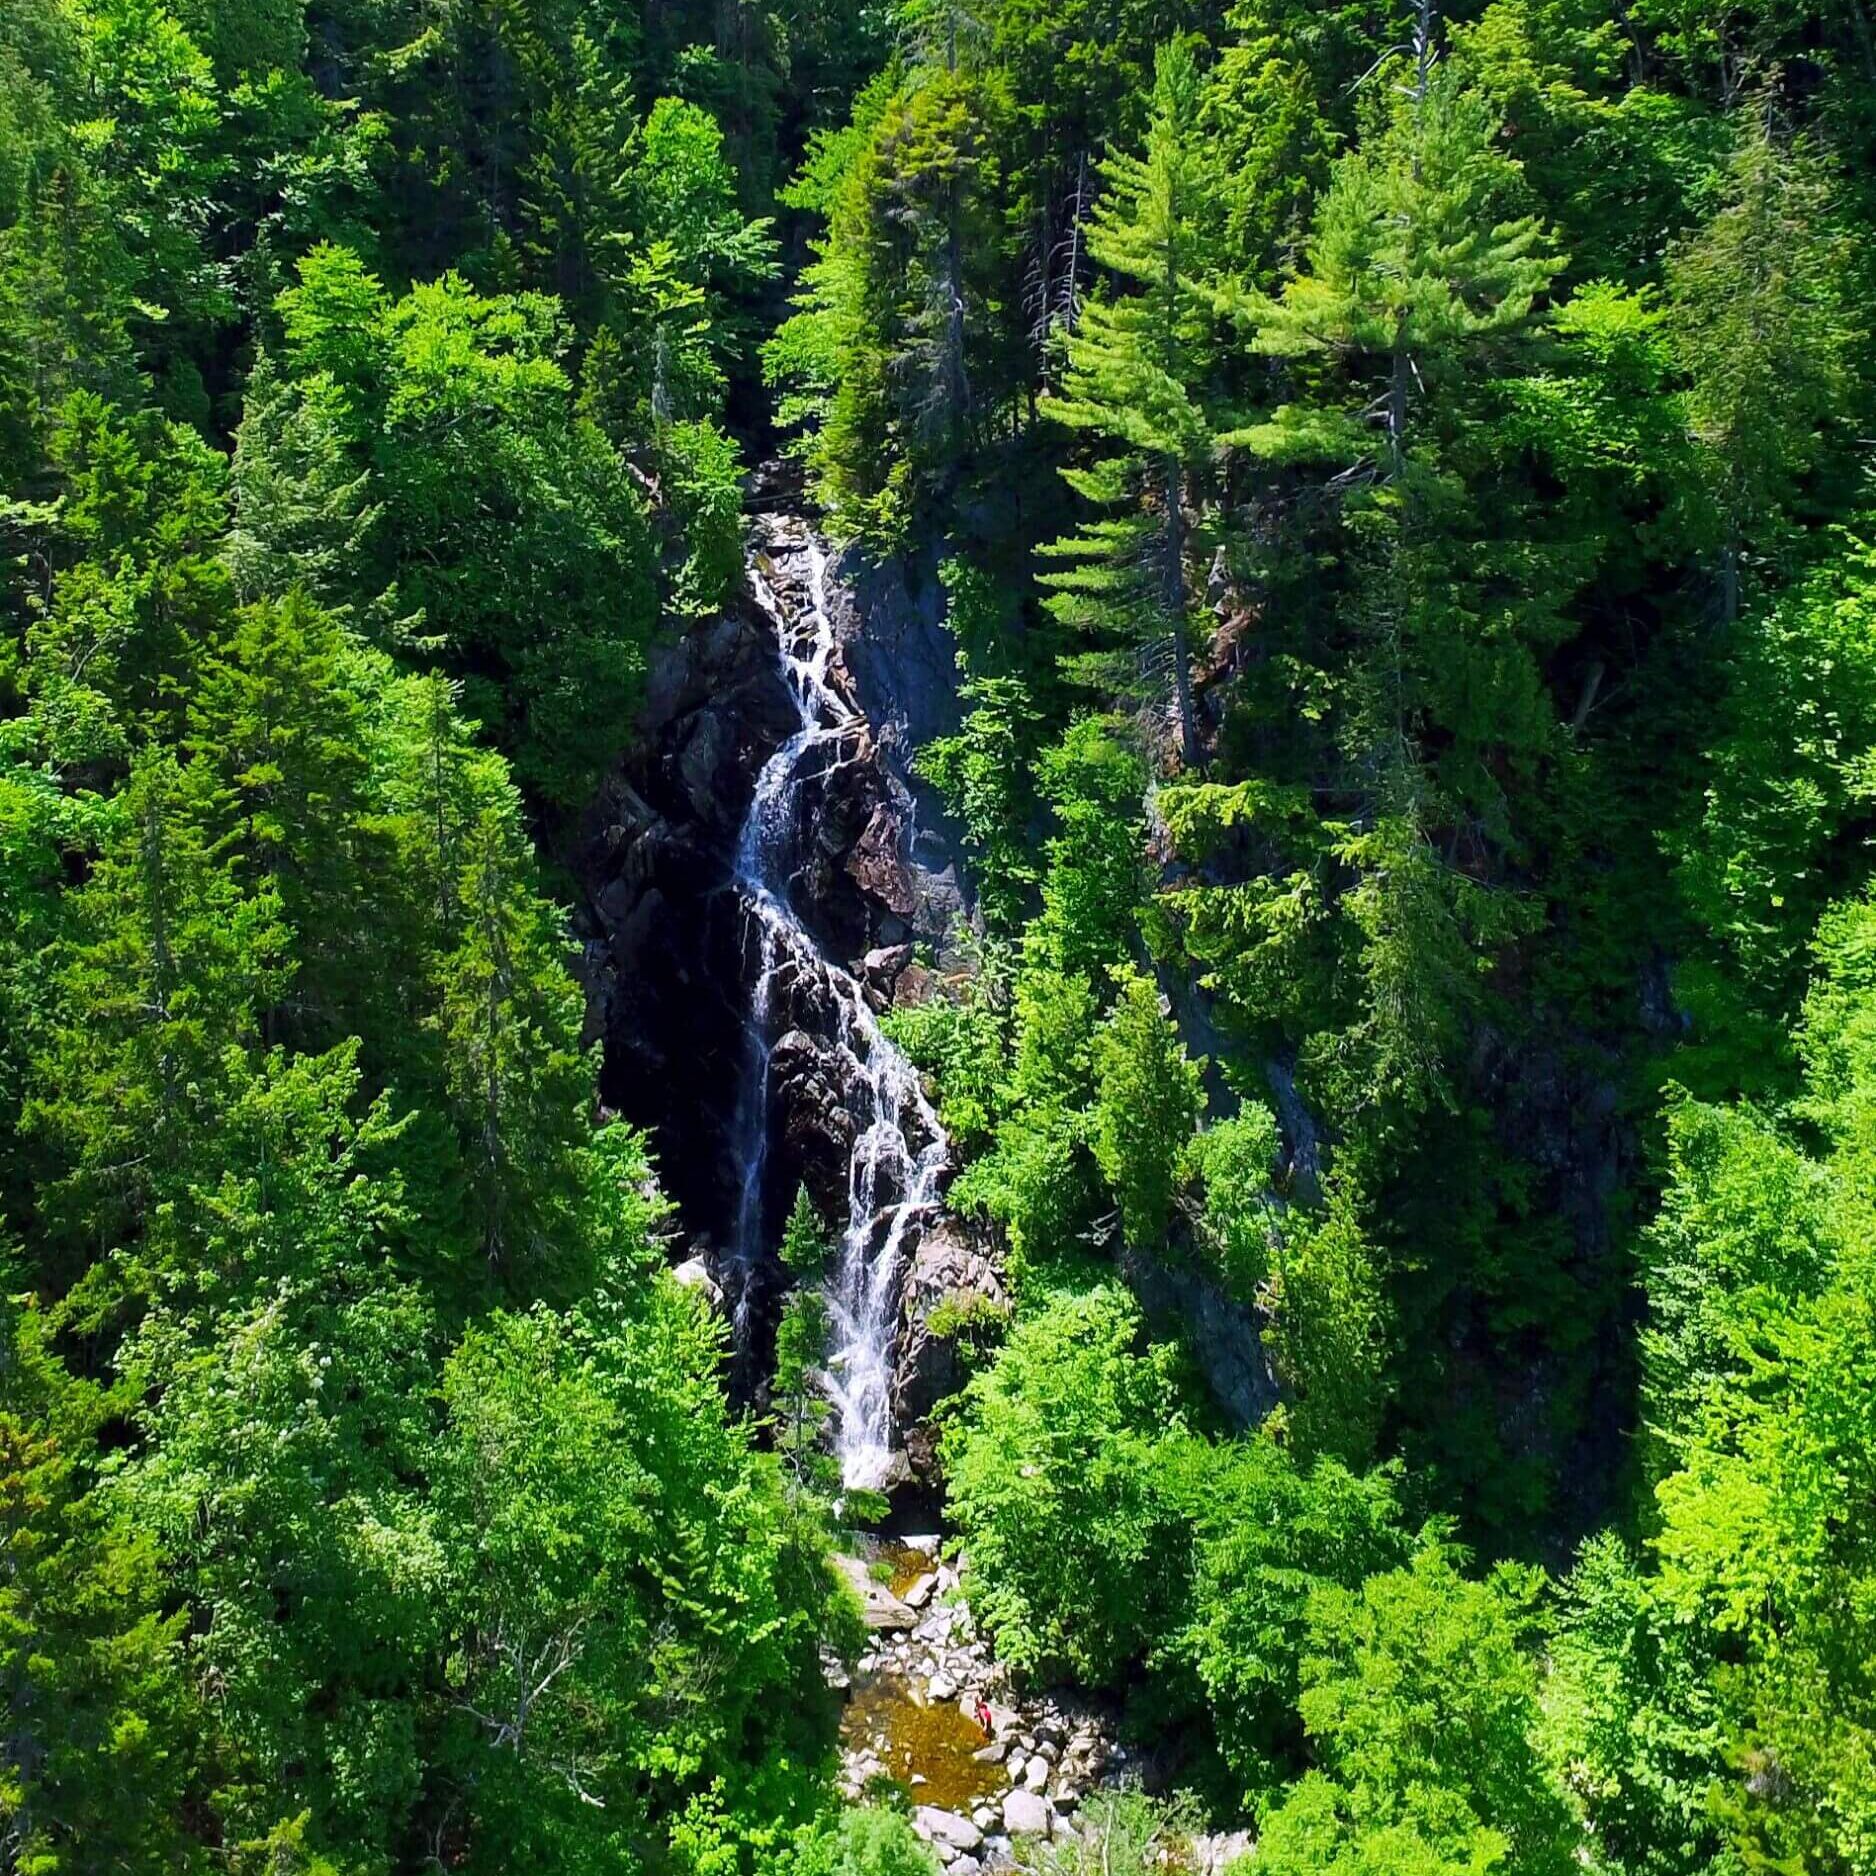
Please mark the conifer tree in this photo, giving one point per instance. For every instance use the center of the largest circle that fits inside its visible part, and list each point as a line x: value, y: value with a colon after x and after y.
x: 520, y: 1085
x: 277, y: 718
x: 95, y: 1765
x: 1765, y: 333
x: 170, y: 963
x: 1419, y: 262
x: 304, y: 512
x: 141, y: 594
x: 802, y: 1410
x: 1147, y: 1108
x: 1136, y: 381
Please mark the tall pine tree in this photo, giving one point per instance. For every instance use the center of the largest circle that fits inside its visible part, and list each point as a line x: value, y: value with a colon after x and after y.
x: 1136, y: 382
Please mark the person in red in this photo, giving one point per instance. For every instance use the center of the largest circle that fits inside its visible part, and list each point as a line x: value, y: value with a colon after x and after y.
x: 983, y: 1715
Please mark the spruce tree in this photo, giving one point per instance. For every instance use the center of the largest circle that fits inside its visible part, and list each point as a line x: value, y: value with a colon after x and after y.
x: 1419, y: 264
x: 1765, y: 334
x: 279, y: 722
x: 801, y: 1406
x: 1136, y: 381
x: 160, y: 987
x: 520, y: 1085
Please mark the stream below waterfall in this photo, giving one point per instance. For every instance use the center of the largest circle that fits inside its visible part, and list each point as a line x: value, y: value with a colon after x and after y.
x: 900, y: 1153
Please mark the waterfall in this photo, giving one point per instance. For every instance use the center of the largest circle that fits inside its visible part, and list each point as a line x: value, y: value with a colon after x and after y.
x: 892, y: 1183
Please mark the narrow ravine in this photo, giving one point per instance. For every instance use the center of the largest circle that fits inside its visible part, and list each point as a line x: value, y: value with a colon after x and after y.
x: 900, y: 1153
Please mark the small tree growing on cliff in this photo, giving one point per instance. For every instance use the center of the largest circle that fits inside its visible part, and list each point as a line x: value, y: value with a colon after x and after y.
x: 1147, y: 1107
x: 802, y: 1411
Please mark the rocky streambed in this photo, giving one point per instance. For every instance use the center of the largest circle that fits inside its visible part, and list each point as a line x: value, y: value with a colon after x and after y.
x: 912, y: 1718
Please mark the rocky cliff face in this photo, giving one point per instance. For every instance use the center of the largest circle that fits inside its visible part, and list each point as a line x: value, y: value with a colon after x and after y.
x: 664, y: 964
x: 670, y: 958
x: 952, y: 1290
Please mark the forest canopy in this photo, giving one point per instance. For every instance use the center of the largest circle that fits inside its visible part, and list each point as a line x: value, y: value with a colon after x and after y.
x: 1395, y: 477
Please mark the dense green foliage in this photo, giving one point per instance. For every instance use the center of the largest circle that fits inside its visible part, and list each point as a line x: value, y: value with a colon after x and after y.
x: 1407, y: 525
x: 368, y: 1496
x: 1398, y: 478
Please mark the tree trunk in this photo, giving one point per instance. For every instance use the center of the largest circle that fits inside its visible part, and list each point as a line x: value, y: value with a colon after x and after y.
x: 1397, y: 394
x: 1729, y: 585
x: 1173, y: 594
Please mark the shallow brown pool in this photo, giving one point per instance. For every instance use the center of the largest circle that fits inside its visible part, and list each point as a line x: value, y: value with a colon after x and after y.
x: 906, y: 1563
x: 935, y: 1740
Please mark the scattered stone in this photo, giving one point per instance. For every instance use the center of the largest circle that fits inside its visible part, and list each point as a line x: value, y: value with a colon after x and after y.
x: 1027, y: 1815
x: 1036, y: 1773
x: 992, y: 1754
x: 921, y: 1592
x: 1212, y: 1855
x: 946, y: 1828
x: 943, y: 1687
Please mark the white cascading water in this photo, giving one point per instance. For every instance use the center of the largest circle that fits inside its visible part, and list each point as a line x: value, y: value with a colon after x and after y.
x: 891, y: 1183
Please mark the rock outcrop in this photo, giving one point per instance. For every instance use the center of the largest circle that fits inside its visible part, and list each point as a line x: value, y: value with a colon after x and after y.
x: 952, y: 1285
x: 1224, y: 1337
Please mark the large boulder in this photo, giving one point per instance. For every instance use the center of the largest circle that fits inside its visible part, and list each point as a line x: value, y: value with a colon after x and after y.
x: 1027, y: 1814
x: 695, y: 1274
x: 884, y: 1612
x: 949, y: 1828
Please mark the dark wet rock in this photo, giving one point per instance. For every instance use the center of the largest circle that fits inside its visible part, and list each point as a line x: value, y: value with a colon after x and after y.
x: 876, y: 863
x: 1224, y: 1335
x: 664, y: 962
x: 921, y: 1449
x: 883, y: 966
x: 811, y: 1100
